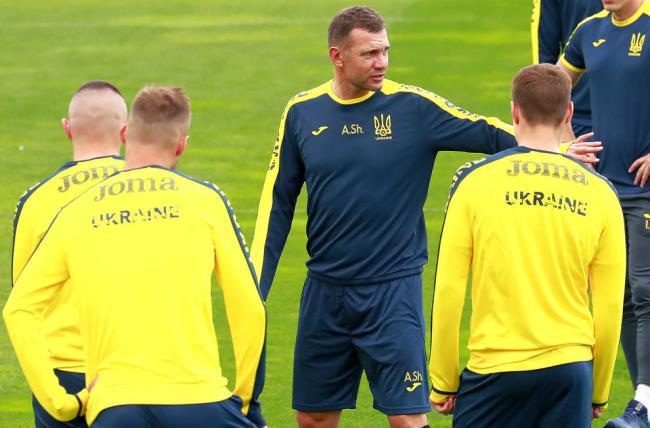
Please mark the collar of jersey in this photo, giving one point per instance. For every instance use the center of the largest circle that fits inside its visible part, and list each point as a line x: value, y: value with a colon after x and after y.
x: 526, y: 149
x: 333, y: 96
x: 624, y: 23
x: 75, y: 162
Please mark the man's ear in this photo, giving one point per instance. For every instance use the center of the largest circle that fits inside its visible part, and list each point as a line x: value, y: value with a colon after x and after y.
x: 336, y: 56
x: 67, y: 128
x: 516, y: 114
x: 182, y: 145
x: 569, y: 113
x: 123, y: 133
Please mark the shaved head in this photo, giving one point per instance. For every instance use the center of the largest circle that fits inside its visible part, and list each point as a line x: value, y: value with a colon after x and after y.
x: 96, y: 113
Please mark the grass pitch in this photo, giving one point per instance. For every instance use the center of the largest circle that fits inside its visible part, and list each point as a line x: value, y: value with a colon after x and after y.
x: 240, y: 62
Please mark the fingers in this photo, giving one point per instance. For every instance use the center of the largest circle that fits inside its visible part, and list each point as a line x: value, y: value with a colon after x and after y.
x: 584, y: 137
x: 642, y: 175
x: 445, y: 408
x: 588, y: 147
x: 642, y: 168
x: 596, y: 412
x: 635, y: 165
x: 589, y: 159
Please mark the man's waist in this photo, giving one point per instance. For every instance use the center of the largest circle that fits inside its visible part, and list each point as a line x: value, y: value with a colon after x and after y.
x: 335, y: 280
x: 103, y: 396
x: 487, y: 361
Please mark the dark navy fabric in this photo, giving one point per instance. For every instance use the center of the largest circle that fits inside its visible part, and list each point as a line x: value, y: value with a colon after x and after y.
x: 221, y: 414
x: 557, y: 20
x: 366, y: 191
x: 72, y: 383
x: 618, y: 68
x: 635, y: 332
x: 344, y: 330
x: 558, y: 396
x: 581, y: 125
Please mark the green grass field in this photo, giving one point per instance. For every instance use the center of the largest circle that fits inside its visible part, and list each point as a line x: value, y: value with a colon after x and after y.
x: 239, y: 62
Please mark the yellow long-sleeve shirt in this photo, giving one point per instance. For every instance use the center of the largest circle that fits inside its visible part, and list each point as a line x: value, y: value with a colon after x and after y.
x: 137, y: 252
x: 539, y: 231
x: 35, y: 211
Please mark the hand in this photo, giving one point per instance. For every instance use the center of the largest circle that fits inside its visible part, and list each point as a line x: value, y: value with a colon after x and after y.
x: 597, y: 412
x: 447, y: 407
x: 585, y: 151
x: 642, y: 168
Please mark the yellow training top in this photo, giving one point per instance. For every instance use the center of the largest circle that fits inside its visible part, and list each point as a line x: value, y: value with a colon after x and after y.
x: 137, y: 252
x: 539, y: 231
x: 35, y: 211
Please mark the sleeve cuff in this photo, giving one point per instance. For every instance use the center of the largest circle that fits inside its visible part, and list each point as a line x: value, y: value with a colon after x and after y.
x: 600, y: 405
x: 439, y: 397
x: 571, y: 66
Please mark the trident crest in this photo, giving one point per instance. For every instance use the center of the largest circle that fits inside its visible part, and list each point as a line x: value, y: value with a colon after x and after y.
x: 383, y: 127
x: 636, y: 44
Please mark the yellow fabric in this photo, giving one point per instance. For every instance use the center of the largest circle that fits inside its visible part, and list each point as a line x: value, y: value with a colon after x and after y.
x: 35, y: 211
x: 534, y: 260
x: 137, y: 252
x: 644, y: 8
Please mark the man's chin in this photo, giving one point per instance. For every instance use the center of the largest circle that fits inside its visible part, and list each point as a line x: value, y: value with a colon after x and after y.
x: 375, y: 85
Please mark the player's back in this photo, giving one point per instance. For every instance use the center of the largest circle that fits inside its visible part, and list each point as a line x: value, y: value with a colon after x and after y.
x: 141, y: 262
x: 36, y: 209
x: 536, y: 219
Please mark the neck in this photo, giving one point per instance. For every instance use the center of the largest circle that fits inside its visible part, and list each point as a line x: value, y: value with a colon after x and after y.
x: 539, y: 137
x: 345, y: 90
x: 82, y: 150
x: 142, y: 155
x: 629, y: 9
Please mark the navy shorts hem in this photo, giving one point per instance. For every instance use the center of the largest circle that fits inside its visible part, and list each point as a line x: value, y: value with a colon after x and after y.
x: 393, y: 411
x: 323, y: 407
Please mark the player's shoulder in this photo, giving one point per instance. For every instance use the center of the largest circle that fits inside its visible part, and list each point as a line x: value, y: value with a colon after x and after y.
x: 56, y: 187
x: 201, y: 188
x: 592, y: 20
x: 309, y: 94
x: 391, y: 87
x: 75, y: 173
x: 596, y: 180
x: 477, y: 168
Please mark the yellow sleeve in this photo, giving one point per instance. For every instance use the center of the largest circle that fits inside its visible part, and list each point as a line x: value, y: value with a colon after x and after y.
x: 25, y: 237
x: 452, y: 271
x: 40, y: 281
x: 607, y: 282
x: 244, y: 307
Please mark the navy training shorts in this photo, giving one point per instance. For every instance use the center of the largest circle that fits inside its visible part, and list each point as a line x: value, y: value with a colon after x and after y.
x: 558, y: 396
x: 345, y: 330
x: 220, y: 414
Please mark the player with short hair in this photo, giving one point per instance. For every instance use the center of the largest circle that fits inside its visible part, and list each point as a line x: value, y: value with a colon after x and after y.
x: 611, y: 46
x: 137, y: 252
x: 365, y: 147
x: 540, y: 232
x: 96, y: 114
x: 551, y: 26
